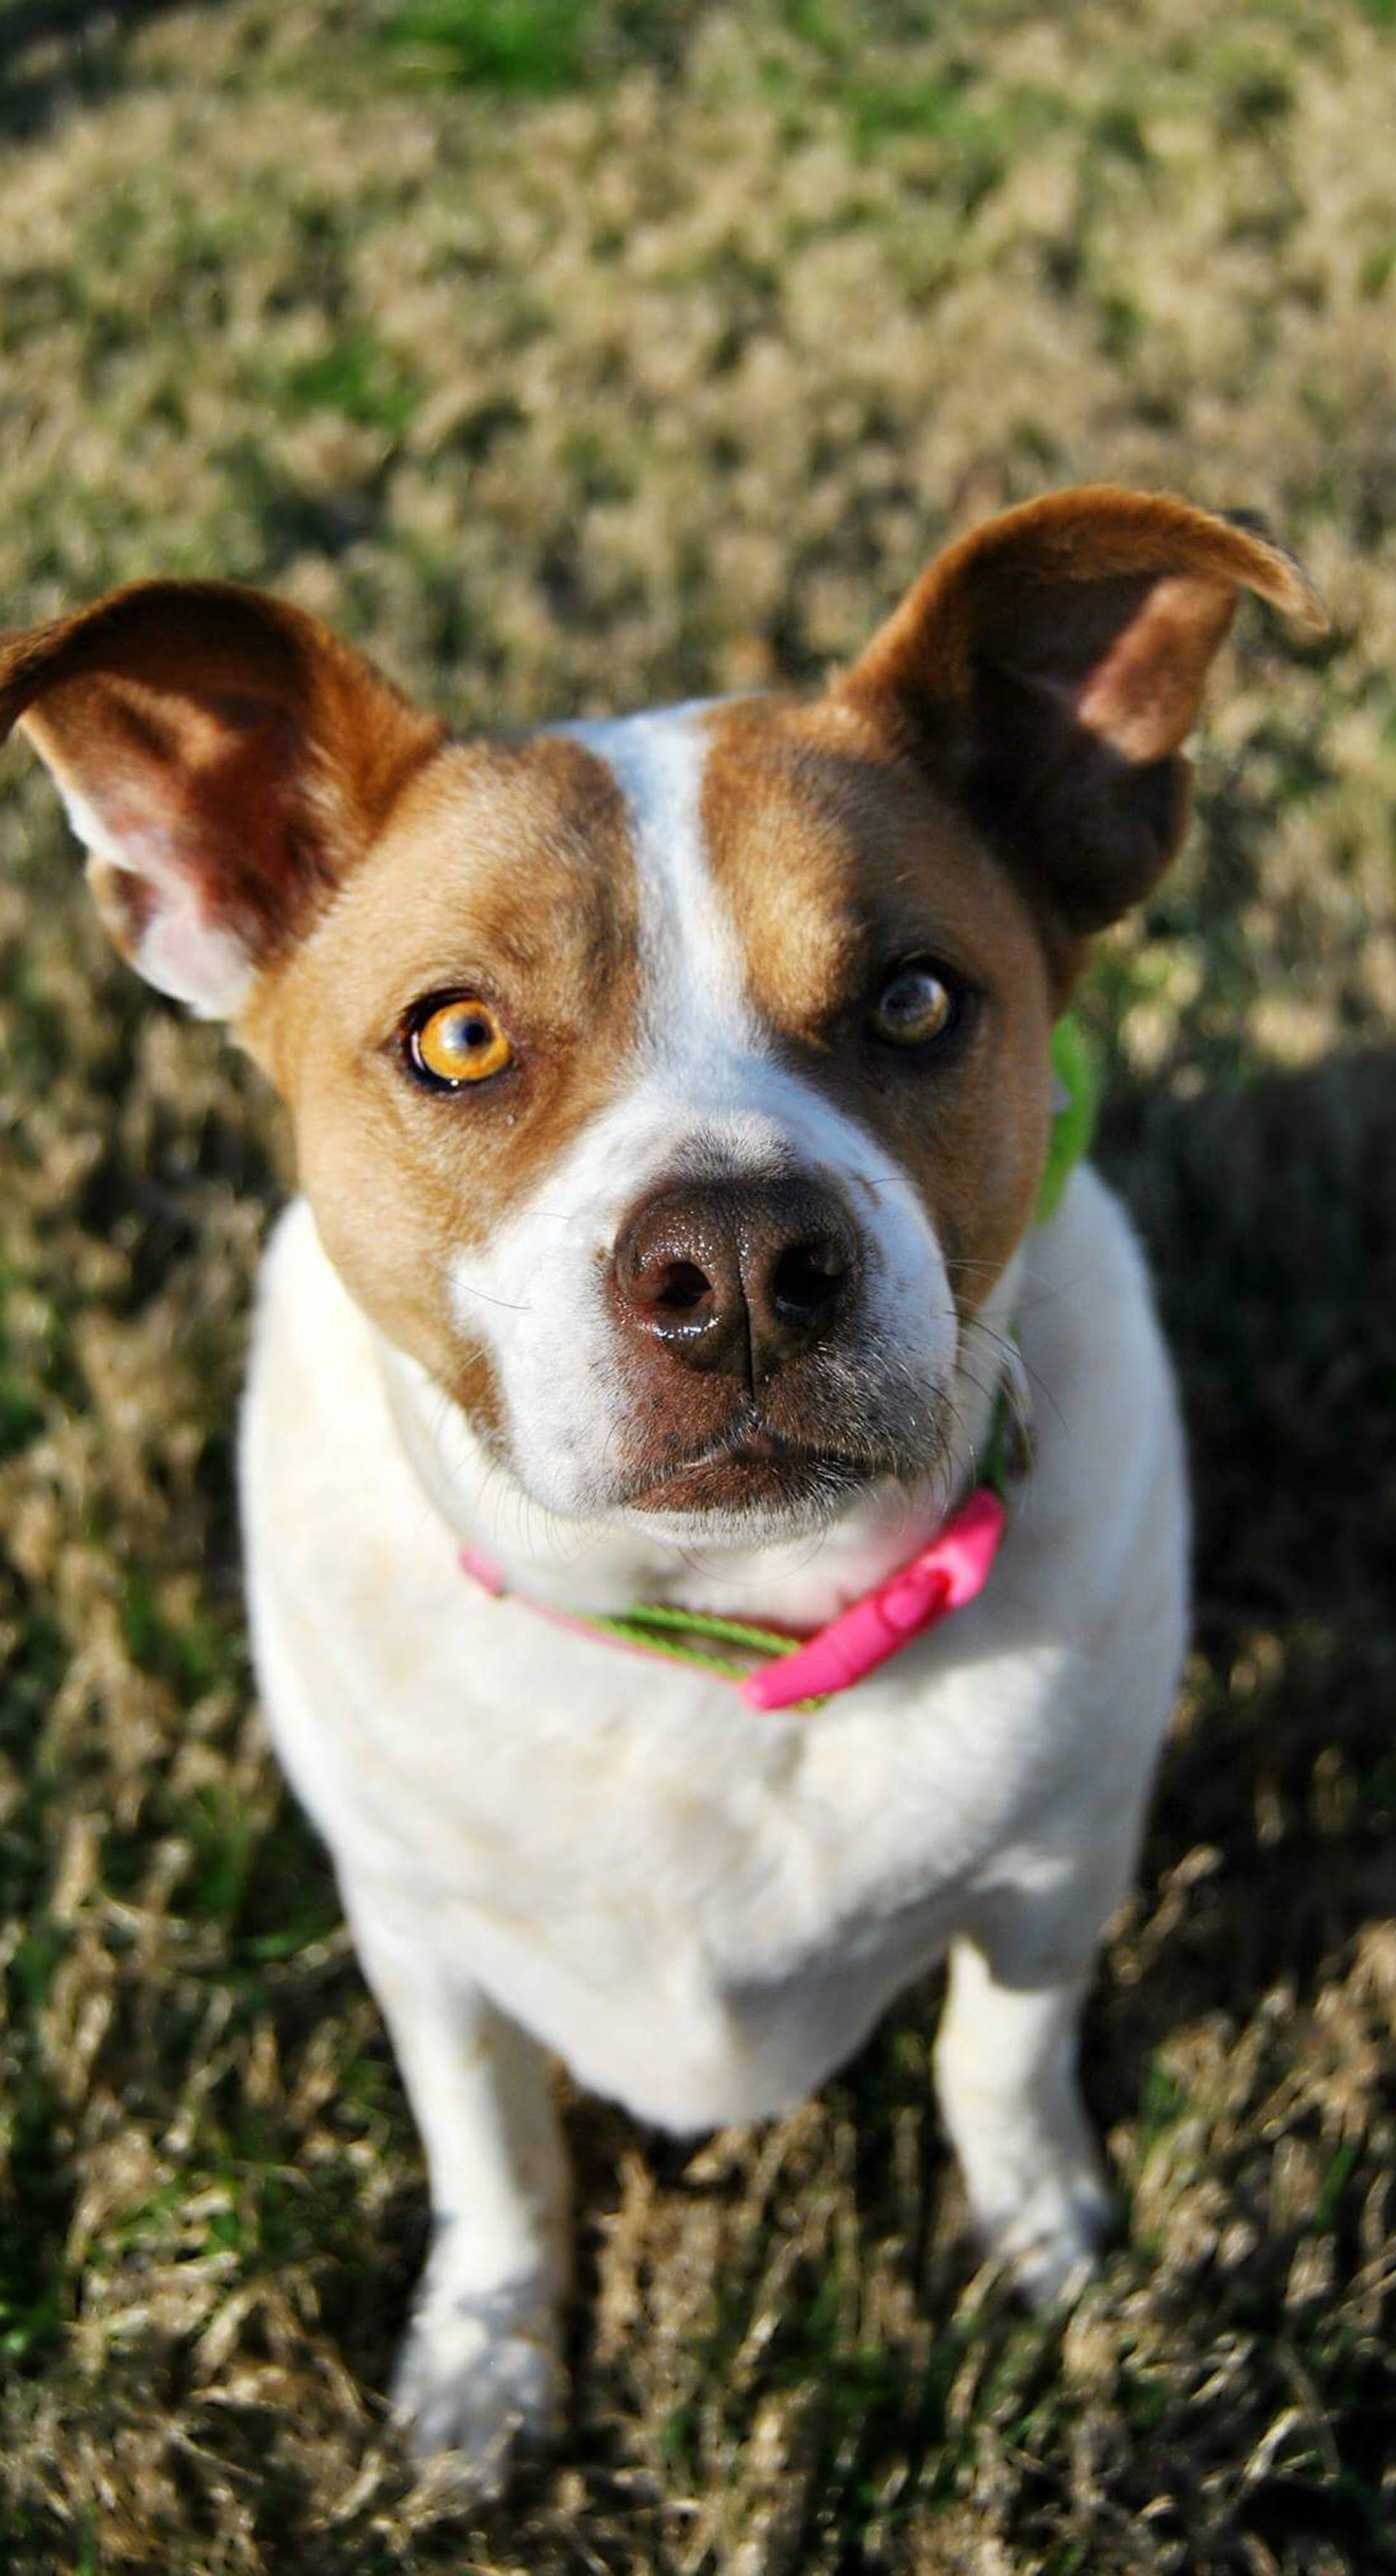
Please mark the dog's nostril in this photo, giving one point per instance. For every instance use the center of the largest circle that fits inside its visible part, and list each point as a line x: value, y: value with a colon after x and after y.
x: 808, y: 1277
x: 681, y: 1288
x: 736, y: 1277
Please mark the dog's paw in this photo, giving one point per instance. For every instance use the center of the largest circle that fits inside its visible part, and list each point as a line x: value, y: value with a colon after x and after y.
x: 1052, y: 2239
x: 479, y: 2374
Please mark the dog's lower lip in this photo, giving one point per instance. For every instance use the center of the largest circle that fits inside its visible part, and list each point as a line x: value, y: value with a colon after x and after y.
x: 760, y: 1462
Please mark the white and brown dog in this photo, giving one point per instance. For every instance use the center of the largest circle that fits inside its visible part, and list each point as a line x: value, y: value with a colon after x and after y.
x: 671, y: 1099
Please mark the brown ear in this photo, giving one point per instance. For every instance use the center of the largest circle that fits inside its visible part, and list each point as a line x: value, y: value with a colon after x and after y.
x: 1049, y: 668
x: 223, y: 757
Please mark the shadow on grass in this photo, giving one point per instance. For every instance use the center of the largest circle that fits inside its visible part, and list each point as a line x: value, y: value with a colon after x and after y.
x: 1269, y: 1214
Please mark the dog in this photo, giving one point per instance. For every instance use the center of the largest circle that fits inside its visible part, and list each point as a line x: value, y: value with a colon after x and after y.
x: 672, y: 1097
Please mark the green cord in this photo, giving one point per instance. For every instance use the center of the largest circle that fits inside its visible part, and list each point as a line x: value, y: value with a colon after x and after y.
x: 1073, y: 1119
x: 730, y: 1632
x: 661, y: 1630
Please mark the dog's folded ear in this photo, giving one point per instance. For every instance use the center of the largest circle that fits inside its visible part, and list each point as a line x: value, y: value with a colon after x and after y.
x: 223, y: 757
x: 1048, y: 669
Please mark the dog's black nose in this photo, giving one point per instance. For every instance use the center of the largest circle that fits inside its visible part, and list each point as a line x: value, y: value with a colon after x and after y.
x: 737, y: 1276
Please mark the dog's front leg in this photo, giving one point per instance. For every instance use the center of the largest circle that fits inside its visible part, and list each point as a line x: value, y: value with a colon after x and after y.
x: 481, y: 2363
x: 1006, y: 2076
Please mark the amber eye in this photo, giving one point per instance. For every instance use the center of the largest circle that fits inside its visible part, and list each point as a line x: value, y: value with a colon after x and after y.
x: 918, y: 1003
x: 457, y: 1041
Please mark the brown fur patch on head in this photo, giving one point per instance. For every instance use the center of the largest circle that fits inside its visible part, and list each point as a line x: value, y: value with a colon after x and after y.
x: 839, y: 862
x: 506, y: 872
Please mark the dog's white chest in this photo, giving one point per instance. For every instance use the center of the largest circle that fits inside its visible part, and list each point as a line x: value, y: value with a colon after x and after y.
x: 702, y: 1908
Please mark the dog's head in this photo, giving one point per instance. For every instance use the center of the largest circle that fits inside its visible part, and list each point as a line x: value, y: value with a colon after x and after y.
x: 673, y: 1090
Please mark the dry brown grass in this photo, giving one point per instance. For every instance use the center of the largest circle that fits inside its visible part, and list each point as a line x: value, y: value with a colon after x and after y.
x: 650, y: 354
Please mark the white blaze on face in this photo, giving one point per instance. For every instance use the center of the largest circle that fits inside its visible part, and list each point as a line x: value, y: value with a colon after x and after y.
x: 696, y: 1012
x: 705, y: 1098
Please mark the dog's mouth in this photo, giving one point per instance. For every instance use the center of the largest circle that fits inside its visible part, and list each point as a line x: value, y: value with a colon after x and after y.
x: 757, y: 1469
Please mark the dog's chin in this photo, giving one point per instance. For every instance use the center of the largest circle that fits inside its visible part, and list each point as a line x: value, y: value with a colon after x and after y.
x: 751, y: 1485
x: 753, y: 1494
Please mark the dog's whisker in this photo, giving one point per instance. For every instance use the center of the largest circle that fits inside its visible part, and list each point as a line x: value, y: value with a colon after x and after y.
x: 1014, y: 1352
x: 510, y: 1305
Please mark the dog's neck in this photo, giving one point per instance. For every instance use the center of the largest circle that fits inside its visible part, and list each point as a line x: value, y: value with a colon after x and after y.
x: 605, y: 1566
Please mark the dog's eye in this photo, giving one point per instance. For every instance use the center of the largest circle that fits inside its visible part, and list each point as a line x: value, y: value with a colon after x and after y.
x: 456, y: 1041
x: 918, y: 1003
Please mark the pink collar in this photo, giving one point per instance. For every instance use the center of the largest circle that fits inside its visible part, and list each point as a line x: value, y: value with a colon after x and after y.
x: 796, y: 1671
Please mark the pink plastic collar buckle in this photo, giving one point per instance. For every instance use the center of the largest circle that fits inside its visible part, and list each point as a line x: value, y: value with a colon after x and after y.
x: 942, y: 1578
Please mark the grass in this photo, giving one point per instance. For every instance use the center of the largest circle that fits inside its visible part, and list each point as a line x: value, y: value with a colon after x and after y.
x: 583, y: 353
